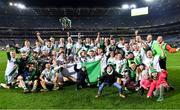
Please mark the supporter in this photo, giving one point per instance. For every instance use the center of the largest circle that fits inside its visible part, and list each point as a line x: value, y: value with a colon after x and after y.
x: 109, y: 79
x: 124, y: 64
x: 159, y: 47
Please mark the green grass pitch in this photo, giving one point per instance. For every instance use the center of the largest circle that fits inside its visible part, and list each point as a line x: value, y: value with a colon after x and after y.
x: 85, y: 98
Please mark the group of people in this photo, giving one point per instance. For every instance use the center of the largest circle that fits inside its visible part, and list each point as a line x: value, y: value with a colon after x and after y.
x: 129, y: 65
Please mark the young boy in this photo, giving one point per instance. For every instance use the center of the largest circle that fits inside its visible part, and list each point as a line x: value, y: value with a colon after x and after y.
x: 110, y: 78
x: 131, y: 80
x: 81, y: 76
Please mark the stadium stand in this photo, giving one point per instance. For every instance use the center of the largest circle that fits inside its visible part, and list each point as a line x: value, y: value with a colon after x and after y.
x: 22, y: 24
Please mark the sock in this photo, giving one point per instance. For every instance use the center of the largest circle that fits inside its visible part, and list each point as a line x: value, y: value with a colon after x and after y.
x: 34, y: 87
x: 161, y: 89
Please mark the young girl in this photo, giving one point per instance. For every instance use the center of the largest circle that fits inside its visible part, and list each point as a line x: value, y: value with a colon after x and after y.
x: 141, y: 74
x: 159, y: 83
x: 142, y: 77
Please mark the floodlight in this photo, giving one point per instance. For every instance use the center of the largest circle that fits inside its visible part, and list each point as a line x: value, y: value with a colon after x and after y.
x: 125, y: 6
x: 10, y: 3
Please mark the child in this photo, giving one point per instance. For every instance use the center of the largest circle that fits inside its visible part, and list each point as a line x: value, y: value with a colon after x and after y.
x: 162, y: 84
x: 131, y: 81
x: 143, y: 77
x: 141, y: 74
x: 110, y: 79
x: 81, y: 77
x: 129, y: 77
x: 159, y: 83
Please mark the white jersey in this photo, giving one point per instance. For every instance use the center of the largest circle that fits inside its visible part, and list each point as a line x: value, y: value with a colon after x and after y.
x: 103, y: 59
x: 10, y: 66
x: 69, y: 45
x: 82, y: 59
x: 49, y: 75
x: 90, y: 59
x: 77, y: 47
x: 111, y: 60
x: 152, y: 62
x: 46, y: 48
x: 126, y: 51
x: 37, y: 49
x: 141, y: 75
x: 24, y: 49
x: 120, y: 65
x: 120, y: 45
x: 136, y: 53
x: 61, y: 46
x: 98, y: 57
x: 61, y: 60
x: 149, y: 62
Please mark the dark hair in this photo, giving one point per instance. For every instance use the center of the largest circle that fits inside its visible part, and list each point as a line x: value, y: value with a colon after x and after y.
x: 121, y: 38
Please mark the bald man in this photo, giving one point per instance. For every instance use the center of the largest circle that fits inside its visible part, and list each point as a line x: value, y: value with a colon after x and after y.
x: 160, y: 48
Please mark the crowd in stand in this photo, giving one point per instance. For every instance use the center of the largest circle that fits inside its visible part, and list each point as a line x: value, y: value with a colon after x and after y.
x: 129, y: 65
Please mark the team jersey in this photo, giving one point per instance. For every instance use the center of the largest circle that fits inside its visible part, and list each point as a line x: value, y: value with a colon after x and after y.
x: 10, y: 64
x: 48, y: 75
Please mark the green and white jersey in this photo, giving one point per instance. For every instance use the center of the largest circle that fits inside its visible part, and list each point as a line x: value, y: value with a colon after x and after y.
x: 151, y: 62
x: 46, y: 48
x: 48, y: 75
x: 24, y: 49
x: 120, y: 65
x: 111, y: 60
x: 69, y: 45
x: 10, y: 64
x: 77, y: 46
x: 90, y: 59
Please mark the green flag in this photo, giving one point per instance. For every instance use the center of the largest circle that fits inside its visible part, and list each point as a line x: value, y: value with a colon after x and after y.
x: 93, y: 70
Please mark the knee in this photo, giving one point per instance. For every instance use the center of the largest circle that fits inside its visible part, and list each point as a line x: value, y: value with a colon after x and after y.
x: 19, y: 78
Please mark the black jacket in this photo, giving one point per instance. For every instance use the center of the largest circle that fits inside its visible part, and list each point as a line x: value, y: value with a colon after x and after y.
x: 110, y: 79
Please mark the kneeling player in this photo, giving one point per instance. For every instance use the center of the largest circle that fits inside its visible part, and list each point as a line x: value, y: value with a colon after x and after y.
x: 29, y: 79
x: 49, y: 79
x: 11, y: 68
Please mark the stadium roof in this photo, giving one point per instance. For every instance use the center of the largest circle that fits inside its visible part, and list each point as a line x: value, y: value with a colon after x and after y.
x: 74, y: 3
x: 84, y: 7
x: 89, y: 3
